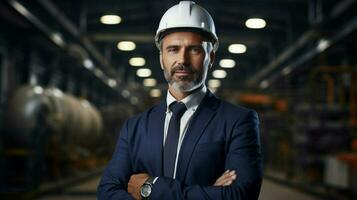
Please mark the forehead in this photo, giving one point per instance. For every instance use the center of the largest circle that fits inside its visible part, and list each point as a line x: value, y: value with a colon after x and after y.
x: 183, y: 37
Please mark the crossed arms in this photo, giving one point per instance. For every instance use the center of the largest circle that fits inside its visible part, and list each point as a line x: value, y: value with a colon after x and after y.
x: 243, y: 157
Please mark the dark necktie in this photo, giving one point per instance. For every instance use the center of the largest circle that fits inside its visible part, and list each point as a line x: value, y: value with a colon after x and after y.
x: 170, y: 148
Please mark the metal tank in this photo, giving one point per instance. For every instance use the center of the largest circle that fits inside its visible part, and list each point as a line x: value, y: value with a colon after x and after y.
x: 35, y: 112
x: 26, y: 116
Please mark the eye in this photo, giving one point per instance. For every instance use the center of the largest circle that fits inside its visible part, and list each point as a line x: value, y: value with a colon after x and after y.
x: 172, y: 49
x: 196, y: 50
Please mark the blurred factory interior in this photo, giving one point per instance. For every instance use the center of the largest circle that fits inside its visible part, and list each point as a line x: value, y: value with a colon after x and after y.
x: 72, y: 71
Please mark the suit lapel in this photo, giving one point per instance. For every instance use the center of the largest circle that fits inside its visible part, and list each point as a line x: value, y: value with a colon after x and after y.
x: 196, y: 128
x: 156, y: 130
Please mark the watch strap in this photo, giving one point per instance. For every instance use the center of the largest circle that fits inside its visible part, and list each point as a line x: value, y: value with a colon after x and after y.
x: 150, y: 180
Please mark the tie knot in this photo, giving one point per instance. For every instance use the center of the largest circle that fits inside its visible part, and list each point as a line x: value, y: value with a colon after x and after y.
x: 178, y: 108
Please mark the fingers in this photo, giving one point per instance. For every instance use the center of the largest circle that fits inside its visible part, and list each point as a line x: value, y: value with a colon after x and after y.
x: 222, y: 177
x: 226, y: 178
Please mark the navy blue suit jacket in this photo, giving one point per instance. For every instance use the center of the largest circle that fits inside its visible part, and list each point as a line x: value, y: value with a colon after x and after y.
x: 220, y: 136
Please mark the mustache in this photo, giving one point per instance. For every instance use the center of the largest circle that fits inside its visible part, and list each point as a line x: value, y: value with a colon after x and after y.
x: 178, y: 68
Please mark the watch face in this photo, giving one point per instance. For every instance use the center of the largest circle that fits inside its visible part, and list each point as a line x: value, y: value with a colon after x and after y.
x: 145, y: 190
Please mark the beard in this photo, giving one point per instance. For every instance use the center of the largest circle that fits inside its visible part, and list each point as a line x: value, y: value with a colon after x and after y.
x: 185, y: 83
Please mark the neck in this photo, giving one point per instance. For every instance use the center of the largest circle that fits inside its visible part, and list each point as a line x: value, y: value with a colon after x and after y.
x: 179, y: 95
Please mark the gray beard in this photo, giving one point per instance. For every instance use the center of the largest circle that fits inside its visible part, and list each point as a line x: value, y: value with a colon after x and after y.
x: 187, y: 86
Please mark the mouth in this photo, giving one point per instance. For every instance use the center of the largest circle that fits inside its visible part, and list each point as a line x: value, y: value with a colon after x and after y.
x: 183, y: 73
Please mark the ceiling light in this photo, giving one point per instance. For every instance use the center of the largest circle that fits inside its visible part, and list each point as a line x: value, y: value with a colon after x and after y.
x: 125, y: 93
x: 255, y: 23
x: 88, y: 63
x: 227, y: 63
x: 155, y: 93
x: 219, y: 73
x: 20, y: 8
x: 144, y: 72
x: 134, y: 100
x: 322, y: 45
x: 110, y: 19
x: 237, y: 48
x: 286, y: 71
x: 214, y: 83
x: 112, y: 82
x: 149, y: 82
x: 126, y: 45
x: 57, y: 38
x: 137, y: 61
x: 98, y: 73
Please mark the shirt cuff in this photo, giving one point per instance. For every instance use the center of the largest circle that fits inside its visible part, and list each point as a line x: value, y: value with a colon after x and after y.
x: 155, y: 179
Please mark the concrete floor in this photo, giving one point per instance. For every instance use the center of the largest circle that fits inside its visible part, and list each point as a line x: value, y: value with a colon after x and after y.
x: 273, y: 191
x: 270, y: 191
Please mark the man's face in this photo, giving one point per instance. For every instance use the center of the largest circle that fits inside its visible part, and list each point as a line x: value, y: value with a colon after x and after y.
x: 185, y: 58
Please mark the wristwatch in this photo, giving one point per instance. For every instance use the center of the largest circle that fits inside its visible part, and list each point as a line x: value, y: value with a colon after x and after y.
x: 146, y: 188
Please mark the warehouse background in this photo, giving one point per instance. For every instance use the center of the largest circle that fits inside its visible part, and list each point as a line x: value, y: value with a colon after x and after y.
x: 71, y: 72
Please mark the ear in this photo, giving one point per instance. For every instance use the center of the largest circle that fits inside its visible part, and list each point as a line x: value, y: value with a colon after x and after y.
x: 212, y: 56
x: 161, y: 61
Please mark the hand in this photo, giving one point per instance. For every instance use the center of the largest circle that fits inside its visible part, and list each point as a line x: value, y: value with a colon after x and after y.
x: 226, y: 179
x: 135, y: 183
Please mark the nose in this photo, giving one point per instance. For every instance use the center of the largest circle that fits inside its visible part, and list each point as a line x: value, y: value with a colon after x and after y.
x: 183, y: 57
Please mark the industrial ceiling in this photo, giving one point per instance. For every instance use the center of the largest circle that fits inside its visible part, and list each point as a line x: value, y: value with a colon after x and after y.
x: 297, y: 33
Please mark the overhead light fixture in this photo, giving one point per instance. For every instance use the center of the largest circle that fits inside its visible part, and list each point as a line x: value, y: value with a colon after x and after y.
x: 219, y: 73
x: 126, y: 46
x: 88, y: 63
x: 237, y: 48
x: 214, y: 83
x: 20, y: 8
x: 137, y: 61
x: 125, y: 93
x: 286, y: 71
x: 134, y: 100
x: 98, y: 73
x: 227, y: 63
x: 155, y: 93
x: 57, y: 39
x: 112, y: 83
x: 322, y: 45
x: 143, y: 72
x: 110, y: 19
x: 149, y: 82
x: 255, y: 23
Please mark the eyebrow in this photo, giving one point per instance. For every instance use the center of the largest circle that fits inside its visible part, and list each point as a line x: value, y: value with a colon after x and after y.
x: 171, y: 46
x: 190, y: 46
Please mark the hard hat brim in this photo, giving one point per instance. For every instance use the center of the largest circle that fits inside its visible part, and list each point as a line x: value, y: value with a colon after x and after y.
x: 209, y: 37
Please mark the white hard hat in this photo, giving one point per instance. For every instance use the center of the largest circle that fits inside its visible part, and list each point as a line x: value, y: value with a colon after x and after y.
x: 187, y: 14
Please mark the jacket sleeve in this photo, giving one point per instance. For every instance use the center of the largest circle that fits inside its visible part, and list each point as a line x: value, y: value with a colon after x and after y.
x: 113, y: 184
x: 244, y: 156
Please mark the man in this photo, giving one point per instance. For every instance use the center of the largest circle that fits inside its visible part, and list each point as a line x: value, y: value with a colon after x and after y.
x: 193, y: 145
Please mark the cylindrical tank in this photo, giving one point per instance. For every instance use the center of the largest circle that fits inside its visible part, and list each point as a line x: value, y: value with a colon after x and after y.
x: 34, y: 110
x: 26, y: 116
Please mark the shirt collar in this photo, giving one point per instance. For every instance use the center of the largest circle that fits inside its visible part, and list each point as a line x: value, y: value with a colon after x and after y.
x: 191, y: 101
